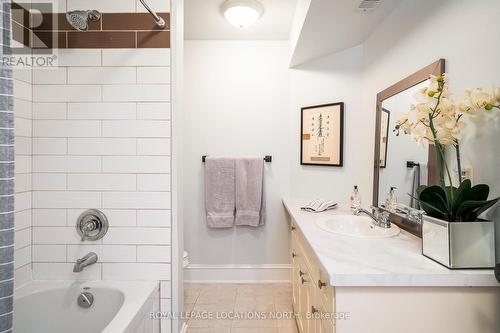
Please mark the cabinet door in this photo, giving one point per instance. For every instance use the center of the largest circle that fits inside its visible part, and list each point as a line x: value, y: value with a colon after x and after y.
x: 303, y: 297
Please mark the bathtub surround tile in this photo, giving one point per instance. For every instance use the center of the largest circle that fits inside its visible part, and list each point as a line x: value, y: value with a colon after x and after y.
x: 67, y: 164
x: 106, y: 253
x: 66, y: 93
x: 64, y: 271
x: 49, y: 110
x: 102, y: 39
x: 133, y: 21
x: 136, y: 200
x: 101, y: 146
x: 22, y: 182
x: 49, y: 181
x: 136, y: 57
x: 157, y: 182
x: 23, y: 220
x: 116, y: 217
x: 49, y: 75
x: 66, y: 199
x: 138, y: 236
x: 79, y: 57
x: 108, y: 6
x: 50, y: 146
x: 158, y: 254
x: 102, y: 75
x: 102, y: 111
x: 165, y: 289
x: 135, y: 271
x: 49, y: 217
x: 159, y: 75
x: 154, y: 147
x: 22, y: 257
x: 136, y: 164
x: 23, y: 238
x: 158, y: 111
x: 58, y: 235
x: 102, y: 182
x: 49, y: 253
x: 23, y: 109
x: 136, y: 128
x: 154, y: 218
x: 153, y: 39
x: 136, y: 93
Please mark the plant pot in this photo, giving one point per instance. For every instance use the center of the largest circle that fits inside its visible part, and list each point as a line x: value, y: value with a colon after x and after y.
x: 459, y: 245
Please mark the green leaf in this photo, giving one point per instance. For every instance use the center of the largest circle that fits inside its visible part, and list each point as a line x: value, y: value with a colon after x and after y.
x: 461, y: 194
x: 433, y: 201
x: 430, y: 209
x: 482, y: 209
x: 479, y: 192
x: 468, y: 210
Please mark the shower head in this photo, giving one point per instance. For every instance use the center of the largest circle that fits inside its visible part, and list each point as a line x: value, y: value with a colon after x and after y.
x: 79, y: 19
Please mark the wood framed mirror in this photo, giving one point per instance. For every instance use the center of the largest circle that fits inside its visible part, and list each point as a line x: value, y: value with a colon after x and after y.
x: 399, y: 162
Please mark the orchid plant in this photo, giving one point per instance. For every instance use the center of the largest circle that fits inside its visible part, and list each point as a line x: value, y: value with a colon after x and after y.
x: 437, y: 118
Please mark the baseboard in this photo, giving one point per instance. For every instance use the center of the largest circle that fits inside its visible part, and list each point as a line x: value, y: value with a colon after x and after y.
x: 237, y: 273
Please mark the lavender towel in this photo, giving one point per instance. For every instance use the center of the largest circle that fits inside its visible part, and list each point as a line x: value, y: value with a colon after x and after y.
x: 220, y: 192
x: 250, y: 203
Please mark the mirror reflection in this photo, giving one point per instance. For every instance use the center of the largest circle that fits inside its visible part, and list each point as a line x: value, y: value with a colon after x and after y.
x: 403, y: 164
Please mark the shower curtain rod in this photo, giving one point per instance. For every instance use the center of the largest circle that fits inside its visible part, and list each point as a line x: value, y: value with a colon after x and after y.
x: 159, y: 20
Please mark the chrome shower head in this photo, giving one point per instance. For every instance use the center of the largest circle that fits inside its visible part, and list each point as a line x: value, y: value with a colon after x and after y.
x: 79, y: 19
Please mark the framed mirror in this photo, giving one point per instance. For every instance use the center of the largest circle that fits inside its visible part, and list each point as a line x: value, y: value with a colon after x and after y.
x: 399, y: 162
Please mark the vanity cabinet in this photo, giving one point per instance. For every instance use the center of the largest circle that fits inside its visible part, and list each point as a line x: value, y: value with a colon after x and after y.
x: 313, y: 297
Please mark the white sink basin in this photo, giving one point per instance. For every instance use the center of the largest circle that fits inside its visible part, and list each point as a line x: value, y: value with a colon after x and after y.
x: 356, y: 226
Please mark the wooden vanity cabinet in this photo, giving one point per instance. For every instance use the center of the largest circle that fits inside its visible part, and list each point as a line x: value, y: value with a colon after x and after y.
x: 313, y: 297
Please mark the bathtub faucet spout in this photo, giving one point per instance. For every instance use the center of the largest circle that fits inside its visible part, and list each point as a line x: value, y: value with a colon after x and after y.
x: 87, y: 260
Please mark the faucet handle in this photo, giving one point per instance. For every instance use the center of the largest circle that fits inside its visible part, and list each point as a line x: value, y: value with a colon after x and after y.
x: 383, y: 219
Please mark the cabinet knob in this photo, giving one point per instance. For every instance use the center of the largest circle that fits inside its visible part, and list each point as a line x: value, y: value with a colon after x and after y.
x: 302, y: 280
x: 293, y: 227
x: 301, y: 273
x: 293, y: 255
x: 314, y: 310
x: 321, y: 284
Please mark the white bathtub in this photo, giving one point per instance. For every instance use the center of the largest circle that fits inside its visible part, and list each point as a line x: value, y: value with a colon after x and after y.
x: 119, y: 307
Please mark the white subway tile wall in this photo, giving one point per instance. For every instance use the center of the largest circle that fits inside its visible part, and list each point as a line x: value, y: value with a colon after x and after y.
x: 23, y: 124
x: 101, y: 139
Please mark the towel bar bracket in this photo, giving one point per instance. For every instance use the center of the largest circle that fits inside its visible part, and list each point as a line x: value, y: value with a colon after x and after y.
x: 267, y: 158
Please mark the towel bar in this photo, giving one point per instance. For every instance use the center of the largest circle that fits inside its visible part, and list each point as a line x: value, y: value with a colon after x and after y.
x: 267, y: 158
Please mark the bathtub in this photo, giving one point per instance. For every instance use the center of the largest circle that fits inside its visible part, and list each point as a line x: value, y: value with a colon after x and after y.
x: 118, y: 307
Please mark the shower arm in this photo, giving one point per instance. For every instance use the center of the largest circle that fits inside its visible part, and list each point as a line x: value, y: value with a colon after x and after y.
x: 159, y: 20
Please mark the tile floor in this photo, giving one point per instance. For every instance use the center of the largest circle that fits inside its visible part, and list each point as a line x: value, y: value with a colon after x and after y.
x: 238, y: 300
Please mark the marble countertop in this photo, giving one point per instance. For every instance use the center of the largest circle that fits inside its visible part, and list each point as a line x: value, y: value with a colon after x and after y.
x: 395, y: 261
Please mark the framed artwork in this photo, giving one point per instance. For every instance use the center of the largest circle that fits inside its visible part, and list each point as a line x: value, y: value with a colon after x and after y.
x: 384, y: 136
x: 322, y: 135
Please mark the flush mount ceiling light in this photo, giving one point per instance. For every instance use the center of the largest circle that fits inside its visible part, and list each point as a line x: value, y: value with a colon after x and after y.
x: 242, y: 13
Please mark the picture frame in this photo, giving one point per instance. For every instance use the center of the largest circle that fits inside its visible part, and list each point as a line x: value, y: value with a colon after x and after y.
x: 384, y: 137
x: 322, y: 135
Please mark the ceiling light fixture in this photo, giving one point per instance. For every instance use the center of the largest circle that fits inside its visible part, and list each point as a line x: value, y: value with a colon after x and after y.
x: 242, y: 13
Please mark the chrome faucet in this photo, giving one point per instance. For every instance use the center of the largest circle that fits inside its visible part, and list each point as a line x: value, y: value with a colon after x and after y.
x: 87, y: 260
x: 380, y: 219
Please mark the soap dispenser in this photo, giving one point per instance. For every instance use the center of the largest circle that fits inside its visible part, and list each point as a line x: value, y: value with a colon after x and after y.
x: 355, y: 198
x: 391, y: 202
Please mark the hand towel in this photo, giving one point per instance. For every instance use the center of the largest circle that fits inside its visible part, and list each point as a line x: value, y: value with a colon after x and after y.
x: 250, y: 205
x: 220, y: 192
x: 318, y: 206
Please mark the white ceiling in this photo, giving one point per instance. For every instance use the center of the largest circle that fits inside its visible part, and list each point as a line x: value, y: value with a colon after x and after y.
x: 334, y: 25
x: 204, y: 20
